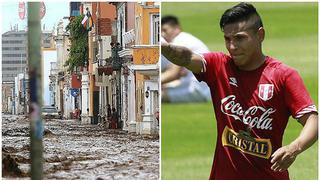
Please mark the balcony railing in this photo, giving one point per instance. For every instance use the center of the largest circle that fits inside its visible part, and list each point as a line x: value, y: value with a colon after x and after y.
x: 129, y: 36
x: 107, y: 70
x: 114, y: 63
x: 105, y: 66
x: 145, y: 54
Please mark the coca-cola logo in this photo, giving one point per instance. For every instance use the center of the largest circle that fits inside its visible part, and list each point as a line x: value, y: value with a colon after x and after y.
x: 255, y: 116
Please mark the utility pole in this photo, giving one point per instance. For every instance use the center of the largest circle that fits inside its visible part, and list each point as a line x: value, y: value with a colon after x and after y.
x: 35, y: 84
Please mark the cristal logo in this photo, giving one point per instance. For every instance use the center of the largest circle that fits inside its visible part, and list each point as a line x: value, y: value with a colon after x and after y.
x: 250, y: 116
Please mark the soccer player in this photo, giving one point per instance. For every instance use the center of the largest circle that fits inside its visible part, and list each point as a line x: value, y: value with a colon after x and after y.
x: 178, y: 83
x: 253, y: 96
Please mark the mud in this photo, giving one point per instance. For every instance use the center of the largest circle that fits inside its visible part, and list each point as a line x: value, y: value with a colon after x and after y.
x: 75, y: 151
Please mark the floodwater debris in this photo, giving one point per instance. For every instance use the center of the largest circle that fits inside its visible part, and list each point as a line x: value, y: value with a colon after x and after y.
x: 76, y: 151
x: 10, y: 167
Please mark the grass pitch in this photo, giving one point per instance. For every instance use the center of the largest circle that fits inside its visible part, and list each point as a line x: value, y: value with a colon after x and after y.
x: 188, y: 134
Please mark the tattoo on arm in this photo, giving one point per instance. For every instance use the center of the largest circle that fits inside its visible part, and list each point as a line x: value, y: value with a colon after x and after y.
x: 178, y: 55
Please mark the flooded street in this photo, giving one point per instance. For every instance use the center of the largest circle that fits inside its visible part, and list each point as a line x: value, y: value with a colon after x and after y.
x: 75, y: 151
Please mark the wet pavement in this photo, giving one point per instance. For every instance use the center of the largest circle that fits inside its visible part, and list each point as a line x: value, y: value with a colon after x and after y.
x: 75, y: 151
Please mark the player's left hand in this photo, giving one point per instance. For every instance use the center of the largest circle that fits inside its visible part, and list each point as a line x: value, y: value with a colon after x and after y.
x: 282, y: 159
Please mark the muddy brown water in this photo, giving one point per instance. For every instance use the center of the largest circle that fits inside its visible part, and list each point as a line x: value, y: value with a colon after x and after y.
x: 75, y: 151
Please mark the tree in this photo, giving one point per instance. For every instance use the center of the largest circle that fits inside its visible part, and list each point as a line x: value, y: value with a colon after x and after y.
x: 79, y: 44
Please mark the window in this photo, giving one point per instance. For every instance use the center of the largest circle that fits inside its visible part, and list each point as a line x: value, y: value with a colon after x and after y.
x: 96, y: 58
x: 10, y: 68
x: 9, y: 75
x: 12, y: 42
x: 121, y: 23
x: 13, y: 55
x: 75, y: 8
x: 47, y: 41
x: 13, y: 48
x: 14, y: 62
x: 138, y: 40
x: 154, y: 32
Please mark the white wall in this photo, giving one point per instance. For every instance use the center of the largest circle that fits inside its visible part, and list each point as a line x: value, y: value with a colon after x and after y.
x: 48, y: 57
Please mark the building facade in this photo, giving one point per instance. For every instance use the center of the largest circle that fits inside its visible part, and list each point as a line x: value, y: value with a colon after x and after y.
x: 14, y: 68
x: 122, y: 68
x: 14, y: 52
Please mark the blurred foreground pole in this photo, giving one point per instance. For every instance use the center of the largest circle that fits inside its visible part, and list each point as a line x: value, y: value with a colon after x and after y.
x: 35, y: 84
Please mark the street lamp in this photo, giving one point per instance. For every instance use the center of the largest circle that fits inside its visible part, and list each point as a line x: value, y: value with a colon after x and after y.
x: 147, y: 92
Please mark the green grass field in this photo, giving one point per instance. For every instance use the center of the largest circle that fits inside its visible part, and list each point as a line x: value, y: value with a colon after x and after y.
x: 188, y: 131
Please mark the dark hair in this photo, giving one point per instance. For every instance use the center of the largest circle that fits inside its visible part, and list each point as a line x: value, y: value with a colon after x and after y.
x: 171, y: 20
x: 241, y: 12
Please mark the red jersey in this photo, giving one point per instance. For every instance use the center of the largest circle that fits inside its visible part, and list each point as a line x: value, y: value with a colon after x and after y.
x: 252, y: 109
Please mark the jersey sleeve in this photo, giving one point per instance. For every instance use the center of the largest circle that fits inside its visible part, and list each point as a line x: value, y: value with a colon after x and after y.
x: 211, y: 64
x: 297, y: 97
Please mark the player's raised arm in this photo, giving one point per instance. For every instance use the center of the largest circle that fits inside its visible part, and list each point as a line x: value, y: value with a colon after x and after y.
x: 182, y: 56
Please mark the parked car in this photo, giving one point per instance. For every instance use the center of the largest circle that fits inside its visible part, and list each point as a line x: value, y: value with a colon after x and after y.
x: 50, y: 112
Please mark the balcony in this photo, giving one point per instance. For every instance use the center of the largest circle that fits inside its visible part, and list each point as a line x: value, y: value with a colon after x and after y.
x: 106, y: 69
x: 61, y: 76
x: 114, y: 63
x: 145, y: 54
